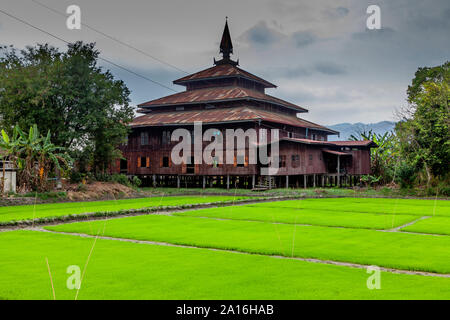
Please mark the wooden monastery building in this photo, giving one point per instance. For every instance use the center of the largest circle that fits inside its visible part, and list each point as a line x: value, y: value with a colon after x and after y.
x: 228, y: 97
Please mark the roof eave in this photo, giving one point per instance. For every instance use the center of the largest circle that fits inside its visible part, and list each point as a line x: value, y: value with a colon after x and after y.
x: 265, y: 83
x: 298, y: 108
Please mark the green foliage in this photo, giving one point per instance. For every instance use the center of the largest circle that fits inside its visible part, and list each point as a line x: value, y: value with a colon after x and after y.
x: 121, y: 178
x: 76, y: 176
x: 405, y: 174
x: 58, y: 195
x: 385, y: 157
x: 425, y: 130
x: 34, y: 156
x: 136, y: 181
x: 68, y: 94
x: 370, y: 180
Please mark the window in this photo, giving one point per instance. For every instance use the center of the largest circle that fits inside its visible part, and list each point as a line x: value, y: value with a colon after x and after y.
x: 295, y: 159
x: 215, y: 162
x: 143, y: 162
x: 165, y: 138
x: 165, y: 163
x: 289, y: 134
x: 314, y: 136
x: 240, y: 161
x: 144, y: 138
x: 282, y: 162
x: 123, y: 165
x: 179, y: 108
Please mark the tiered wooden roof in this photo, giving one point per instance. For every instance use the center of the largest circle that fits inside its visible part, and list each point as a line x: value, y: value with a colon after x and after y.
x: 225, y: 115
x: 220, y: 94
x: 215, y: 95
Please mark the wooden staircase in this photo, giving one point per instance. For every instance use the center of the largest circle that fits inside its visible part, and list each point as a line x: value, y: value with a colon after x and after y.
x: 265, y: 183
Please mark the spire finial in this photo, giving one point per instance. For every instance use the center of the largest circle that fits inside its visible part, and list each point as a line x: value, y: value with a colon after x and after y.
x: 226, y: 46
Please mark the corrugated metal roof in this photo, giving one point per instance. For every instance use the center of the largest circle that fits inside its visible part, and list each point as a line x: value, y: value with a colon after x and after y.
x: 339, y: 153
x: 211, y: 95
x: 235, y: 114
x: 223, y: 71
x: 361, y: 143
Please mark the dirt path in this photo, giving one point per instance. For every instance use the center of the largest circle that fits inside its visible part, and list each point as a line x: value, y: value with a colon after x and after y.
x: 332, y: 262
x: 408, y: 224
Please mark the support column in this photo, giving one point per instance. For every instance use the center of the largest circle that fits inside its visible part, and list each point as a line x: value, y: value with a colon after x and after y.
x: 228, y: 181
x: 204, y: 182
x: 253, y: 181
x: 154, y: 180
x: 270, y: 182
x: 287, y: 182
x: 178, y: 182
x: 339, y: 171
x: 314, y: 180
x: 304, y: 181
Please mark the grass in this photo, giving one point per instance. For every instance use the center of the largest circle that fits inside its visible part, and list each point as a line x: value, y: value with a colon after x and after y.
x: 374, y: 205
x: 437, y: 225
x: 268, y: 213
x: 122, y: 270
x: 308, y: 192
x: 24, y: 212
x: 388, y: 249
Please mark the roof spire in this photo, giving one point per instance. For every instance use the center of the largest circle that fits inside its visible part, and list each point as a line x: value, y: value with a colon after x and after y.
x: 226, y: 47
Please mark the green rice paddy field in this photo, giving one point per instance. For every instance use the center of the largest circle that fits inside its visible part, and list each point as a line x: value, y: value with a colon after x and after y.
x: 251, y: 251
x: 16, y: 213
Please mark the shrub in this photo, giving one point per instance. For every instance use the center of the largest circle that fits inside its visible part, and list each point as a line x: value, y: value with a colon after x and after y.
x: 121, y: 178
x: 135, y: 181
x: 76, y: 177
x: 405, y: 174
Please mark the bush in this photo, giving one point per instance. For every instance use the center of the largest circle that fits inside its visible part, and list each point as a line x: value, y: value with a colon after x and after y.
x: 122, y: 179
x: 135, y: 181
x: 405, y: 174
x: 76, y: 177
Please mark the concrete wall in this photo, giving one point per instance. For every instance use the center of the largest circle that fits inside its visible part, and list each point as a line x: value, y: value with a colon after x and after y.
x: 10, y: 180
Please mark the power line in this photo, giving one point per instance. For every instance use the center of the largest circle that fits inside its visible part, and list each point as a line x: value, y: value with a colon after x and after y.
x: 103, y: 59
x: 113, y: 38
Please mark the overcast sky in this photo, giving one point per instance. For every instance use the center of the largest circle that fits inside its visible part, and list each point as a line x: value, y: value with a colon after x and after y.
x: 319, y: 53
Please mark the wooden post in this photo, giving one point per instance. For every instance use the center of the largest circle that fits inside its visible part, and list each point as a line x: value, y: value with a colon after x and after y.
x: 323, y: 181
x: 314, y: 180
x: 154, y: 180
x: 228, y: 181
x: 339, y: 170
x: 253, y: 181
x: 204, y: 182
x: 287, y: 182
x: 304, y: 181
x: 178, y: 182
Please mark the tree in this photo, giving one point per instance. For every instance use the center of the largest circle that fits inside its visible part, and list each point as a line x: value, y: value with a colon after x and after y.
x: 424, y: 131
x: 68, y: 94
x: 34, y: 156
x: 385, y: 157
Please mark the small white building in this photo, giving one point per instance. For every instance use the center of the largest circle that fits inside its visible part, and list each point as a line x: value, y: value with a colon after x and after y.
x: 9, y: 180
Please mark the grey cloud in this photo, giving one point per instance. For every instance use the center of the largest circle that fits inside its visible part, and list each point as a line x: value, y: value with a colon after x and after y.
x: 336, y: 13
x: 330, y: 68
x: 261, y: 34
x: 371, y: 35
x: 303, y: 38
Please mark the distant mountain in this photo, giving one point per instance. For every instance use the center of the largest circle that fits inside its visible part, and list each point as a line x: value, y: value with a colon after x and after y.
x: 347, y: 129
